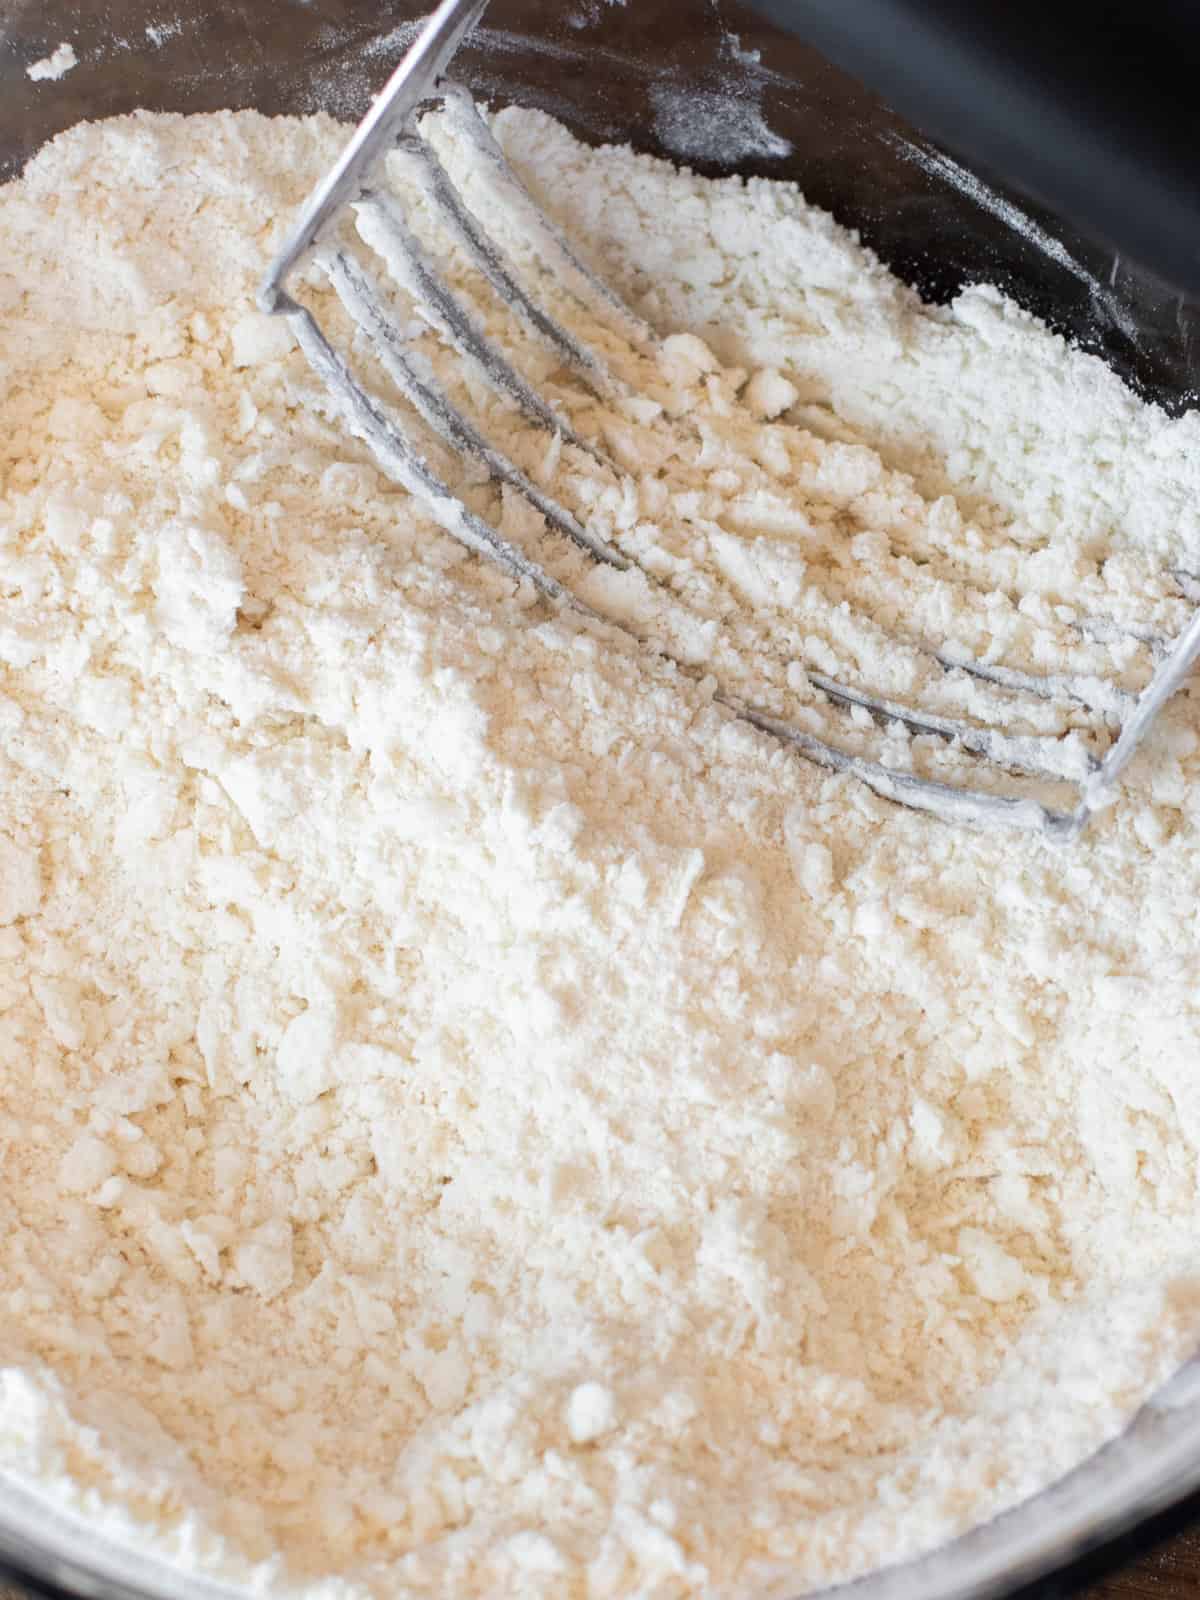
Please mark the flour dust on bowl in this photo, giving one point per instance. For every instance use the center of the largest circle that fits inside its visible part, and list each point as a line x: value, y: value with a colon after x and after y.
x: 479, y: 1117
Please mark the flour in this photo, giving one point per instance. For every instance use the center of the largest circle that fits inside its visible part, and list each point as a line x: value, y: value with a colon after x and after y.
x: 54, y: 66
x: 476, y: 1117
x: 712, y: 125
x: 724, y: 121
x: 1106, y: 305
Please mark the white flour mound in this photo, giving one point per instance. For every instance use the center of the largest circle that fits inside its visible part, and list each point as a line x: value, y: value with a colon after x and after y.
x: 474, y: 1117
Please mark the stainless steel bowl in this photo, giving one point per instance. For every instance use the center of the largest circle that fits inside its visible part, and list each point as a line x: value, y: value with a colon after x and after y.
x: 600, y: 67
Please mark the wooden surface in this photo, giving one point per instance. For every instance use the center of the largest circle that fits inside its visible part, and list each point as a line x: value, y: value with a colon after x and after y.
x: 1171, y: 1573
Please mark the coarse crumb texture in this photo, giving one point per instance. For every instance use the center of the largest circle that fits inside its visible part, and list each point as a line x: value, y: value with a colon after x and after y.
x: 476, y: 1118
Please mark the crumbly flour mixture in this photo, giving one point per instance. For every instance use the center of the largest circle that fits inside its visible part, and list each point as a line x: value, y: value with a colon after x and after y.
x: 475, y: 1118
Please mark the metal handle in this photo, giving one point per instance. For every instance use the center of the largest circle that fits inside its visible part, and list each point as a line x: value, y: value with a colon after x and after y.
x: 413, y: 81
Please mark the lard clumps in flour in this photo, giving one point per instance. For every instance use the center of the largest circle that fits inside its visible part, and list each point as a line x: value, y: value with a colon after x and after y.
x: 474, y: 1116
